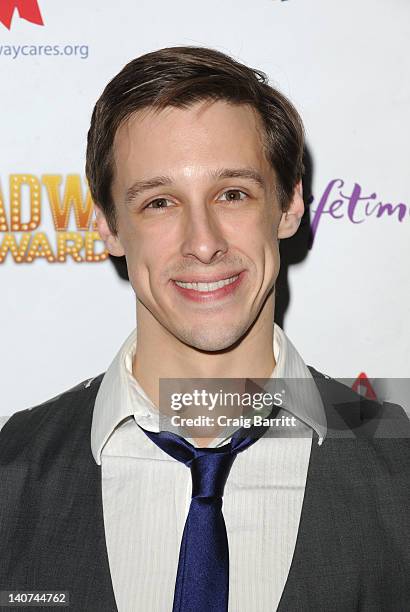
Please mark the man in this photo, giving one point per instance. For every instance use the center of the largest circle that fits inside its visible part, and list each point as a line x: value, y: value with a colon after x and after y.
x: 195, y: 164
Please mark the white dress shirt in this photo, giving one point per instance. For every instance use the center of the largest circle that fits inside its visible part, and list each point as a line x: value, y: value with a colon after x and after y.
x: 146, y: 493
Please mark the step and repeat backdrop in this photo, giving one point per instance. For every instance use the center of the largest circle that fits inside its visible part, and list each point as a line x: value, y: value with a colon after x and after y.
x: 344, y: 298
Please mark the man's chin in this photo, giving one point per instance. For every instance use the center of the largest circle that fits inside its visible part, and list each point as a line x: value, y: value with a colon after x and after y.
x: 211, y: 340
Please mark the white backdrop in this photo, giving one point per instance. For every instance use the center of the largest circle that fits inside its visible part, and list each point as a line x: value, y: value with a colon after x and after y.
x: 345, y: 65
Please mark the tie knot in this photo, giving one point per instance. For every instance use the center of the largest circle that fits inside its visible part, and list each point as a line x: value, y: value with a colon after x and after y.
x: 209, y: 473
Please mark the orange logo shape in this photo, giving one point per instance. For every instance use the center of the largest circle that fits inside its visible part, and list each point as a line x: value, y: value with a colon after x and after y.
x: 362, y: 382
x: 27, y: 9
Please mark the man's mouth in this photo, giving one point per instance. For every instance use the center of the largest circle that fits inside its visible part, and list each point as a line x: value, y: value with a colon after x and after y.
x: 209, y: 289
x: 209, y: 286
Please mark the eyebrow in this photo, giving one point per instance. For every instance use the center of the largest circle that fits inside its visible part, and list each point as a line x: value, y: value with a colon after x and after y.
x: 160, y: 181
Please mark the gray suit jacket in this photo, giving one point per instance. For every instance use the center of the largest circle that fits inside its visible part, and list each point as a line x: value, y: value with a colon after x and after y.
x: 352, y: 551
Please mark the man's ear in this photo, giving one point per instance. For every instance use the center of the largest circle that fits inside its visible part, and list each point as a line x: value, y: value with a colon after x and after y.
x: 290, y: 219
x: 111, y: 241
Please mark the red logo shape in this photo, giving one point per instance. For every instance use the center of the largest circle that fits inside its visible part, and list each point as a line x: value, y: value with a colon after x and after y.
x: 27, y: 9
x: 362, y: 382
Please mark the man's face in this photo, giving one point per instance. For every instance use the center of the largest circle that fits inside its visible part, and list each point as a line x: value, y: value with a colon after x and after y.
x: 195, y: 201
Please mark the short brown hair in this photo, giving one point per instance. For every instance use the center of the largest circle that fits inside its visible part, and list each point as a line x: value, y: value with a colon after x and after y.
x: 179, y: 77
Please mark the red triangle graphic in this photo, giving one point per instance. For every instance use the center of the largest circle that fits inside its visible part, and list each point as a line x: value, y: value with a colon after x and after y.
x: 27, y: 9
x: 363, y: 382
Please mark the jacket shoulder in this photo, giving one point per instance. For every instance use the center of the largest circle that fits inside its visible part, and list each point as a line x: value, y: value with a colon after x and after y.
x: 80, y: 391
x: 368, y: 417
x: 64, y: 416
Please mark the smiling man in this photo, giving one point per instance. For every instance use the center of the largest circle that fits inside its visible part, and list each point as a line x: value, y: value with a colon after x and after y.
x: 195, y: 165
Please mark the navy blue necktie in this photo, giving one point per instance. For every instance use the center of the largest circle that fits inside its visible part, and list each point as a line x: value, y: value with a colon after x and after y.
x: 202, y: 583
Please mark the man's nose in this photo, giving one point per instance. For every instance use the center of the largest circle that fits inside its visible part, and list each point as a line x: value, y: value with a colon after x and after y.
x: 203, y: 236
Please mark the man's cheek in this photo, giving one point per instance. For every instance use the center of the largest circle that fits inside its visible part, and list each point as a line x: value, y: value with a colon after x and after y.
x: 270, y: 257
x: 137, y: 269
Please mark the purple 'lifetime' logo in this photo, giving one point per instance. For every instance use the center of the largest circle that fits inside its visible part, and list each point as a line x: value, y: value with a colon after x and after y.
x: 339, y: 203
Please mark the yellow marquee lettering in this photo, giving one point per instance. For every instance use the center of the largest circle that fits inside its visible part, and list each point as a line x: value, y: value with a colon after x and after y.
x: 16, y: 182
x: 90, y: 255
x: 3, y: 220
x: 64, y: 249
x: 40, y: 247
x: 72, y: 199
x: 17, y: 250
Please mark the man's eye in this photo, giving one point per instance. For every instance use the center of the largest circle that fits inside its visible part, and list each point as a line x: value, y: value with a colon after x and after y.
x: 157, y: 204
x: 233, y: 195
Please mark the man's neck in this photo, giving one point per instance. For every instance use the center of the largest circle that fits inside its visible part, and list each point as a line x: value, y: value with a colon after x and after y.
x: 159, y: 354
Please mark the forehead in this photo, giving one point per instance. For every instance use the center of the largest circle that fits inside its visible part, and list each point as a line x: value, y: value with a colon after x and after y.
x: 202, y: 137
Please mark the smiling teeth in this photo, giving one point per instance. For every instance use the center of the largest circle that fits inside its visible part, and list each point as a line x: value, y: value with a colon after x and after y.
x: 207, y: 286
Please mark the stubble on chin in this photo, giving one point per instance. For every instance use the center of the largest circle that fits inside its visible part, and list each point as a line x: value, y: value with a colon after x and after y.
x: 211, y: 340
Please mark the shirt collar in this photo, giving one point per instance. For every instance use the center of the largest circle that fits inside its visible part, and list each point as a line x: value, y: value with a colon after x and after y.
x: 121, y: 396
